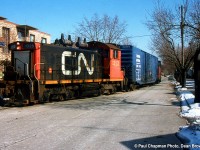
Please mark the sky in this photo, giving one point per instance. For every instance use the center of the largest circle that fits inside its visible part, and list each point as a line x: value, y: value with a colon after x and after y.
x: 62, y: 16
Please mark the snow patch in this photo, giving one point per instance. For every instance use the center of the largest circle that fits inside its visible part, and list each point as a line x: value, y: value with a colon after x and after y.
x: 190, y: 134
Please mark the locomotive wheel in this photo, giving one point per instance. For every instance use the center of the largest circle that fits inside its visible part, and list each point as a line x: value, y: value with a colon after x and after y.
x: 102, y: 91
x: 132, y: 87
x: 99, y: 92
x: 69, y: 94
x: 57, y: 97
x: 77, y: 94
x: 114, y: 89
x: 62, y: 97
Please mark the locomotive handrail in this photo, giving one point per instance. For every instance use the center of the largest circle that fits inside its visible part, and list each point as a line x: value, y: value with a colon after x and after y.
x: 29, y: 78
x: 35, y: 74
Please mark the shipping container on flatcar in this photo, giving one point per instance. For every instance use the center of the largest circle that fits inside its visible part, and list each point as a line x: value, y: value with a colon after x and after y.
x: 140, y: 67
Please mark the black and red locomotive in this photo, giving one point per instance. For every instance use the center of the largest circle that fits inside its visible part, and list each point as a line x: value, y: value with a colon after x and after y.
x: 44, y: 72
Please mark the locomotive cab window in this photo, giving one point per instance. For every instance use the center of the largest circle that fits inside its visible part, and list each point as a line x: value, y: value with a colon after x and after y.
x: 115, y: 54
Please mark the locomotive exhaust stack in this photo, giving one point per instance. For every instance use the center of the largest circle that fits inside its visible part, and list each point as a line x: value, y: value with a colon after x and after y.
x: 78, y: 42
x: 69, y: 41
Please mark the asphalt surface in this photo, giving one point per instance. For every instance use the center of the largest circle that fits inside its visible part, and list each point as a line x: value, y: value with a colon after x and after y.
x: 142, y: 119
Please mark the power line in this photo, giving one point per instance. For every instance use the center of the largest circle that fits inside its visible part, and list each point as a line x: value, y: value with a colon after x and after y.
x: 141, y: 36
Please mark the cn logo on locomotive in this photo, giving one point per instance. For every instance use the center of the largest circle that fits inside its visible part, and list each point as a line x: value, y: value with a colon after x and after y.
x: 90, y: 70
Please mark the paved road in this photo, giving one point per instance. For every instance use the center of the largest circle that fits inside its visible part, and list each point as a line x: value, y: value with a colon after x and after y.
x: 147, y: 117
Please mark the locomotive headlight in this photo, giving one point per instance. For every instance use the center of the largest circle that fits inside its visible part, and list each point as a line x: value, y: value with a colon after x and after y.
x: 18, y: 46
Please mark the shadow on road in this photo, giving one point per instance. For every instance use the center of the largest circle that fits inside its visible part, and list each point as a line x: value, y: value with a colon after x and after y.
x: 163, y: 142
x: 106, y: 104
x: 175, y: 103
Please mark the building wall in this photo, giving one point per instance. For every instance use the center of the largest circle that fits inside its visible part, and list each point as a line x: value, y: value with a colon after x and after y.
x: 39, y: 35
x: 4, y: 53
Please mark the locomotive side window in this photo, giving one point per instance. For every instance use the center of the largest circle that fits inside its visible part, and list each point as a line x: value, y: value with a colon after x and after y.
x: 115, y: 54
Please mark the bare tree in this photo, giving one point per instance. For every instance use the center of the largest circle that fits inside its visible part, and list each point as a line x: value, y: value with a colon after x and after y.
x: 105, y: 29
x: 174, y: 36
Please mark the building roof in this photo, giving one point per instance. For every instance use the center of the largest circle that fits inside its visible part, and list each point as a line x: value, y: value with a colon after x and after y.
x: 2, y: 18
x: 26, y: 27
x: 23, y: 27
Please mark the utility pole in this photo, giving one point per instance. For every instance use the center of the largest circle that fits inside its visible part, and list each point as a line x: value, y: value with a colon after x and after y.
x: 197, y: 76
x: 182, y: 25
x: 182, y: 33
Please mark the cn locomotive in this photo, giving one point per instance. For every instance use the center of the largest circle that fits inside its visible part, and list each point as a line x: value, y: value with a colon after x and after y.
x: 63, y: 70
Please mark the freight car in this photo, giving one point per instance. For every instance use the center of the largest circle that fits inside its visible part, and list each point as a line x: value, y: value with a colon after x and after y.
x: 141, y: 67
x: 66, y: 69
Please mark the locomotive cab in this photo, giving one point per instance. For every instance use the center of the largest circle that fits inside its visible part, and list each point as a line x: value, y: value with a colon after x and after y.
x: 24, y: 55
x: 19, y: 77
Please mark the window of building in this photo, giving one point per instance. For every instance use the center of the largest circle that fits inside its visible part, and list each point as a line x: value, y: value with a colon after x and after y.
x: 43, y: 40
x: 6, y: 36
x: 21, y: 34
x: 32, y: 38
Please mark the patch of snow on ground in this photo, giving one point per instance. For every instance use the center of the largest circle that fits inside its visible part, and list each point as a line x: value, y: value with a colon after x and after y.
x: 192, y: 115
x: 190, y: 135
